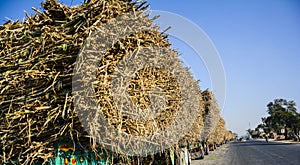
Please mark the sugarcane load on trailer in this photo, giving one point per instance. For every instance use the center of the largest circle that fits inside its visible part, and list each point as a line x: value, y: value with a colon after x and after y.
x: 39, y: 123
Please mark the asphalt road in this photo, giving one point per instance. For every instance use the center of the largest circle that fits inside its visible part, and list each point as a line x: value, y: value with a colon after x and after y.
x: 255, y: 152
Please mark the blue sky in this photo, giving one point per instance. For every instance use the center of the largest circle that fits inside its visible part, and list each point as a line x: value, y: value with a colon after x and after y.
x: 258, y: 42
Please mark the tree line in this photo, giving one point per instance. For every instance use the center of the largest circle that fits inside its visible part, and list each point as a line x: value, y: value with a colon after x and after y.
x: 282, y: 119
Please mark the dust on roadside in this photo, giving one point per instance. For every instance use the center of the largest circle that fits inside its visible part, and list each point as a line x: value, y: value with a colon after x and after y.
x: 216, y: 157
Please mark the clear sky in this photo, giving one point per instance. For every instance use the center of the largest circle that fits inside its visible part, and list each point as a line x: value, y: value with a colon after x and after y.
x: 258, y: 42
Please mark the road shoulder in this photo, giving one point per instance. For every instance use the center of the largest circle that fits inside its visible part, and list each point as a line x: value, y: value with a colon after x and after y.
x: 214, y: 157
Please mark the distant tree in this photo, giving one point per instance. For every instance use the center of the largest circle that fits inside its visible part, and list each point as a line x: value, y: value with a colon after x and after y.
x: 283, y: 115
x: 296, y: 124
x: 268, y: 124
x: 249, y: 131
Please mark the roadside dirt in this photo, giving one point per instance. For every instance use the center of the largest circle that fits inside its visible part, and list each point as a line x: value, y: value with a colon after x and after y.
x: 217, y: 157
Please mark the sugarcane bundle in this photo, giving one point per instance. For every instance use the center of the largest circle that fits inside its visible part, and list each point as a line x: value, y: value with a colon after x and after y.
x: 211, y: 114
x: 229, y: 136
x: 37, y: 58
x: 193, y: 136
x: 218, y: 134
x: 125, y: 100
x: 222, y: 131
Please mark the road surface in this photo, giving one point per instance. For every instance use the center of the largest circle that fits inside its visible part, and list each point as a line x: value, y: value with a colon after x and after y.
x: 255, y: 152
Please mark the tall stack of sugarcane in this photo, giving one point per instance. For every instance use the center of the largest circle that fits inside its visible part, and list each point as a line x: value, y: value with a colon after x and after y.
x: 214, y: 131
x: 211, y: 113
x: 37, y: 60
x: 220, y: 135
